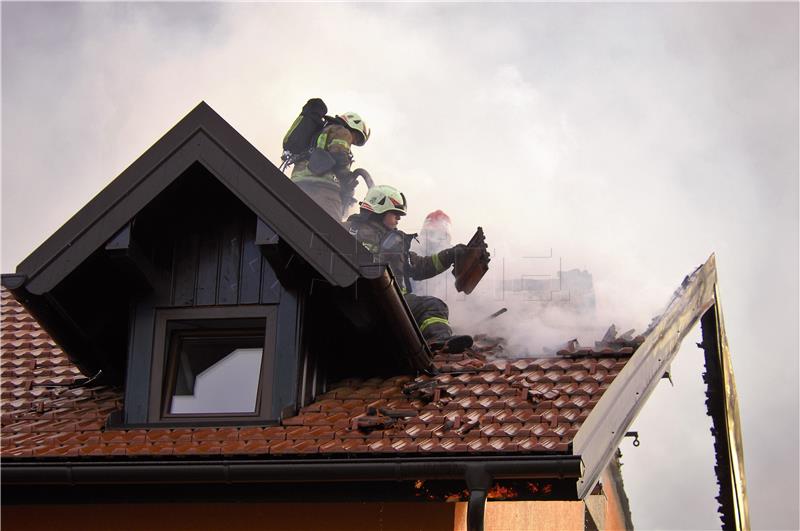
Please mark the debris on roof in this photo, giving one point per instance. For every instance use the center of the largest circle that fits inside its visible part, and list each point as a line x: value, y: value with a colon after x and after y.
x: 480, y: 401
x: 611, y: 344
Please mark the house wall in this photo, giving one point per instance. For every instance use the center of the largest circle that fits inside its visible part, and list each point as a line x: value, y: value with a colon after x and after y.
x: 526, y: 516
x: 617, y: 512
x: 239, y: 516
x: 500, y: 516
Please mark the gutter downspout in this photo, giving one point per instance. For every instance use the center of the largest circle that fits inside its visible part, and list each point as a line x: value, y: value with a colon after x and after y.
x: 478, y: 482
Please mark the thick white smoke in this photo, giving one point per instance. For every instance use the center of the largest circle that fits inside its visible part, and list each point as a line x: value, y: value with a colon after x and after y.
x: 543, y: 306
x: 433, y: 237
x: 633, y: 140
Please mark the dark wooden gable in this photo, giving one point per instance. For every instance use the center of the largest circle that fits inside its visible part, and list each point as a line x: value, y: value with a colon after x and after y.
x: 203, y: 219
x: 202, y: 136
x: 203, y: 239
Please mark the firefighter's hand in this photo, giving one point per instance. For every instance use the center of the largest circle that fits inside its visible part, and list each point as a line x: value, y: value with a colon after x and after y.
x: 459, y: 252
x: 449, y: 256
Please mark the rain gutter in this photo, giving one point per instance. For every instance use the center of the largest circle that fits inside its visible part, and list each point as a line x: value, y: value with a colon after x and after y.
x: 478, y: 472
x: 393, y: 306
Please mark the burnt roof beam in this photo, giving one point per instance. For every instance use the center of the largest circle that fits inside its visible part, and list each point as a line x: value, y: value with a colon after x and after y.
x: 723, y: 407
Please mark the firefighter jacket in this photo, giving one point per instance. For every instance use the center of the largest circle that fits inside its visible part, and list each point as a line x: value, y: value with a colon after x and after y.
x: 336, y: 139
x: 391, y: 247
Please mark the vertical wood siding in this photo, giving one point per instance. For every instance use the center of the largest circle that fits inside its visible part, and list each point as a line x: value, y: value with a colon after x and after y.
x: 222, y: 266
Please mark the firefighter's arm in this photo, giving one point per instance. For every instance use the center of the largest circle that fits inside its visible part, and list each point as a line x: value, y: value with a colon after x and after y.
x: 423, y: 267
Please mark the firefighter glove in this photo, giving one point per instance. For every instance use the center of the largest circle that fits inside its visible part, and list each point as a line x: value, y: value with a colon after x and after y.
x: 449, y: 256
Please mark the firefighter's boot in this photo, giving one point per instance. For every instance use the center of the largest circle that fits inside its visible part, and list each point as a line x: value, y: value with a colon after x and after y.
x: 452, y: 344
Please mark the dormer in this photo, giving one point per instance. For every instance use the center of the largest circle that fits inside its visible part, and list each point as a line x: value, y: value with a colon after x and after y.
x: 193, y: 281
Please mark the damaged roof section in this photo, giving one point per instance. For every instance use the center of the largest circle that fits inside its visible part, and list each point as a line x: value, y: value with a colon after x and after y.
x: 576, y: 404
x: 572, y: 405
x: 610, y: 344
x: 479, y: 402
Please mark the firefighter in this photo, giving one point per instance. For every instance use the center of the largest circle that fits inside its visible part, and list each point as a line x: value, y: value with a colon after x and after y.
x: 375, y: 226
x: 328, y: 180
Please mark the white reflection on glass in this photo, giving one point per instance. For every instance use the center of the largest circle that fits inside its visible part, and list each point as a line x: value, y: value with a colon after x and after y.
x: 228, y: 386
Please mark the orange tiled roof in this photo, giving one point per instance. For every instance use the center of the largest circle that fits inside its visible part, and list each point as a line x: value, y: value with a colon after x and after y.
x: 478, y: 402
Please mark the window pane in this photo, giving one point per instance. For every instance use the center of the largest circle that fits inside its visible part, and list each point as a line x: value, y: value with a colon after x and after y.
x: 217, y: 375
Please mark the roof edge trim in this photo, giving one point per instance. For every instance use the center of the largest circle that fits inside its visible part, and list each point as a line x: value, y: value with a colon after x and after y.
x: 110, y: 195
x: 600, y: 435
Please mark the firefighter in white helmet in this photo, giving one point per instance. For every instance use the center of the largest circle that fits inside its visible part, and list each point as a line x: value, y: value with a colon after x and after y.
x: 326, y: 175
x: 375, y: 226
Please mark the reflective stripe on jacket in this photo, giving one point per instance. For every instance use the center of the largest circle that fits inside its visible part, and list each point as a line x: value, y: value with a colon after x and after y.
x: 336, y: 140
x: 388, y: 247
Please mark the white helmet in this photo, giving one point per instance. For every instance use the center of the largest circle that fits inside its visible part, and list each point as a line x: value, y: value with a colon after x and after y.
x: 384, y: 198
x: 355, y: 123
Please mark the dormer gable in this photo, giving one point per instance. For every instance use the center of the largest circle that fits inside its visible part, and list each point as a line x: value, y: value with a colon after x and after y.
x: 203, y: 269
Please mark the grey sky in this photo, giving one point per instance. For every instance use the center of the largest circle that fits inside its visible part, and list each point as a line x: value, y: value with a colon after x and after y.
x: 631, y: 139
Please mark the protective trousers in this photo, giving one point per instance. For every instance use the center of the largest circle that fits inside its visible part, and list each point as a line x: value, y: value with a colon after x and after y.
x: 431, y: 315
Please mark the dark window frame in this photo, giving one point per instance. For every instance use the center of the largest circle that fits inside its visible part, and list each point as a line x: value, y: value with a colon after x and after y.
x: 180, y: 336
x: 220, y: 321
